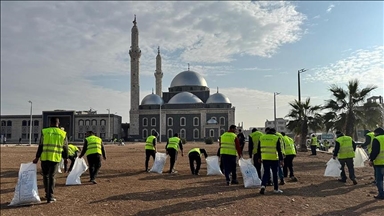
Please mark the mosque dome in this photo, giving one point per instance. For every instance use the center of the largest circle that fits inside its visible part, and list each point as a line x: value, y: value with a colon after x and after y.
x: 188, y: 78
x: 152, y: 99
x: 184, y: 98
x: 218, y: 98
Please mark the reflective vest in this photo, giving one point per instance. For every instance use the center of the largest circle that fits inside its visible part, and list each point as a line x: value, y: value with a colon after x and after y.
x: 149, y: 143
x: 72, y: 149
x: 195, y: 150
x: 314, y: 141
x: 326, y: 143
x: 282, y: 142
x: 93, y: 145
x: 173, y: 142
x: 227, y: 144
x: 346, y: 147
x: 289, y: 146
x: 255, y: 136
x: 379, y: 160
x: 369, y: 147
x: 268, y: 144
x: 53, y: 142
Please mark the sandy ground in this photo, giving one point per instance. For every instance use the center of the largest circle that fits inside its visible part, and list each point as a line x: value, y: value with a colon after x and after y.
x: 124, y: 189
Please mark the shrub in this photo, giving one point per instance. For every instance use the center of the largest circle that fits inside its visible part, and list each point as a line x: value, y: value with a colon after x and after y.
x: 208, y: 140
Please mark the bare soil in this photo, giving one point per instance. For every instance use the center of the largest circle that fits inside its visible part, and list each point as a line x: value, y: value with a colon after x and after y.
x: 125, y: 189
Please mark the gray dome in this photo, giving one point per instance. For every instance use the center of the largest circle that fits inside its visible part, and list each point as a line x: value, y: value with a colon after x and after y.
x: 152, y: 99
x: 188, y: 78
x: 218, y: 98
x: 185, y: 98
x: 211, y: 121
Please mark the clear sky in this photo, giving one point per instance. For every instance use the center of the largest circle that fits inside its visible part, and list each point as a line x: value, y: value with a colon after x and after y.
x: 74, y: 55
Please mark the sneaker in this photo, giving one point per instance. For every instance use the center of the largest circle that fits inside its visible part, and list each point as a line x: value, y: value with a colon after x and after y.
x: 51, y: 200
x: 342, y: 180
x: 373, y: 182
x: 234, y: 182
x: 227, y: 183
x: 94, y: 182
x: 197, y: 173
x: 354, y: 182
x: 378, y: 197
x: 282, y: 182
x: 278, y: 191
x: 262, y: 190
x: 173, y: 172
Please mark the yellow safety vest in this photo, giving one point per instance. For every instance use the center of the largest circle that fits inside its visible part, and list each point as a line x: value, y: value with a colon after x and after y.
x: 268, y: 144
x: 53, y: 142
x: 149, y: 143
x: 346, y: 147
x: 195, y: 150
x: 255, y: 136
x: 173, y: 142
x: 379, y: 160
x: 282, y: 142
x: 326, y: 143
x: 289, y: 146
x: 94, y: 145
x: 72, y: 149
x: 227, y: 144
x: 369, y: 147
x: 314, y: 141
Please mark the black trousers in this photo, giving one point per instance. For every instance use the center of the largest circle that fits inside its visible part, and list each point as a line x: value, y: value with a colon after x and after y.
x: 94, y: 162
x: 351, y: 169
x: 229, y: 162
x: 313, y: 149
x: 288, y: 164
x: 49, y: 169
x: 257, y: 164
x: 173, y: 157
x: 72, y: 158
x: 194, y: 157
x: 270, y: 165
x: 148, y: 154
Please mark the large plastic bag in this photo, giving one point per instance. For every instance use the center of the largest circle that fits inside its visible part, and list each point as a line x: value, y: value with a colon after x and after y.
x: 360, y: 158
x: 78, y: 169
x: 333, y: 168
x: 250, y: 177
x: 158, y: 165
x: 26, y: 192
x: 213, y: 165
x: 61, y: 166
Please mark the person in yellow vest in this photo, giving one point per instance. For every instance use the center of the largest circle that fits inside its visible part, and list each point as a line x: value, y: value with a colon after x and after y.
x: 150, y: 148
x: 194, y: 155
x: 326, y: 145
x: 345, y: 151
x: 72, y: 155
x: 253, y: 144
x: 93, y: 148
x: 290, y: 154
x: 271, y: 156
x: 369, y: 136
x: 172, y: 147
x: 229, y: 149
x: 280, y: 168
x: 314, y: 144
x: 53, y: 146
x: 376, y: 159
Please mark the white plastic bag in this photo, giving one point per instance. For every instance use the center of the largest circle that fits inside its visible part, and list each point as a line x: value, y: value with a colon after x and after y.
x: 333, y: 168
x: 158, y: 165
x: 360, y: 158
x: 26, y: 192
x: 213, y: 165
x: 262, y: 172
x: 250, y: 177
x: 61, y: 166
x: 78, y: 169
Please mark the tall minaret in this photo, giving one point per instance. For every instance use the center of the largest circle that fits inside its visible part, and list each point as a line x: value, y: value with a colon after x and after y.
x: 158, y: 74
x: 135, y: 54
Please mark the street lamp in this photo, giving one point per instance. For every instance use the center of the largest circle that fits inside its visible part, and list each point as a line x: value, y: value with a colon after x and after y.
x: 274, y: 107
x: 109, y: 124
x: 298, y: 81
x: 160, y: 124
x: 30, y: 125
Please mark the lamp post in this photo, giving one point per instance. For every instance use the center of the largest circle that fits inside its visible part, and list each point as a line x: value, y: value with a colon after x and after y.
x: 109, y: 124
x: 30, y: 125
x: 298, y: 82
x: 160, y: 124
x: 274, y: 107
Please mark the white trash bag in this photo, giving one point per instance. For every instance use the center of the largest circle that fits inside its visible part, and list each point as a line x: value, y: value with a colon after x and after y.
x: 360, y: 158
x: 248, y: 171
x: 158, y: 165
x: 26, y: 192
x: 78, y: 169
x: 213, y: 165
x: 61, y: 166
x: 333, y: 168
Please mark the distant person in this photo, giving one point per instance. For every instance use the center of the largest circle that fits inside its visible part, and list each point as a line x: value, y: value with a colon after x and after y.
x: 35, y: 140
x: 314, y: 144
x: 20, y: 141
x: 229, y: 149
x: 93, y: 148
x: 369, y: 136
x: 345, y: 151
x: 52, y: 148
x: 172, y: 147
x: 150, y: 148
x: 72, y: 155
x: 241, y: 138
x: 5, y: 140
x: 376, y: 159
x: 194, y: 155
x: 290, y: 154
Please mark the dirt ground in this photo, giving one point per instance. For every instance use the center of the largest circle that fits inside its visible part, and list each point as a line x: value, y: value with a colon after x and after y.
x: 124, y: 189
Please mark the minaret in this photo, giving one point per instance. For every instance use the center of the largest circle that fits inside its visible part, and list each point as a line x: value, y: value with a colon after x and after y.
x: 158, y: 74
x: 135, y: 54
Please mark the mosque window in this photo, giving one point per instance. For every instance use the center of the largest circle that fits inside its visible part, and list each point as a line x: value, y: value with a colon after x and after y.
x: 3, y: 123
x: 145, y: 133
x: 23, y: 123
x: 222, y: 120
x: 94, y: 122
x: 182, y: 133
x: 9, y: 123
x: 222, y: 131
x: 87, y: 122
x: 170, y: 133
x: 36, y: 123
x: 170, y: 122
x: 196, y: 133
x: 153, y: 121
x: 81, y: 122
x: 102, y: 122
x: 211, y: 133
x: 195, y: 121
x: 182, y: 121
x: 145, y: 122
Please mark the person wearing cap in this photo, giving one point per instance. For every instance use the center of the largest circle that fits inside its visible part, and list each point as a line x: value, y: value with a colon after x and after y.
x: 369, y: 136
x: 194, y: 155
x: 345, y: 151
x: 376, y: 159
x: 150, y: 148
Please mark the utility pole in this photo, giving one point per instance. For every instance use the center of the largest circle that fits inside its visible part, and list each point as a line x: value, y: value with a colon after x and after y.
x: 298, y: 81
x: 109, y: 124
x: 274, y: 108
x: 30, y: 125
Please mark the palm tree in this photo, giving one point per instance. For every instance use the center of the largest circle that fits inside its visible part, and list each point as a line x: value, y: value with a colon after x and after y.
x: 345, y: 112
x: 303, y: 116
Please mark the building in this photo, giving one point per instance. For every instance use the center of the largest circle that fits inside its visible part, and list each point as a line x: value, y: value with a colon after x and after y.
x: 75, y: 123
x: 187, y: 108
x: 281, y: 125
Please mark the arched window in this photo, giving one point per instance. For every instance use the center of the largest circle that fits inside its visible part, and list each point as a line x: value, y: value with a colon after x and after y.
x: 87, y: 122
x: 94, y: 122
x: 170, y: 121
x: 222, y: 120
x: 211, y: 133
x: 182, y: 133
x: 170, y: 133
x: 9, y: 123
x: 102, y: 122
x: 195, y: 121
x: 145, y: 133
x: 145, y: 122
x: 153, y: 121
x: 3, y: 123
x: 36, y: 123
x: 182, y: 121
x: 24, y: 123
x: 195, y: 133
x: 29, y: 122
x: 81, y: 122
x: 222, y: 131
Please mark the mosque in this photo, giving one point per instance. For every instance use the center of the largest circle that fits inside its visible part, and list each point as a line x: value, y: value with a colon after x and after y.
x: 188, y: 108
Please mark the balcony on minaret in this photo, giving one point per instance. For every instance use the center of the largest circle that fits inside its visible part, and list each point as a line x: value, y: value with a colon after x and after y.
x: 135, y: 53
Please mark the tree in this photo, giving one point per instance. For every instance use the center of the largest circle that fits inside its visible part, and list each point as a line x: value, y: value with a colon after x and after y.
x: 303, y: 116
x: 347, y: 111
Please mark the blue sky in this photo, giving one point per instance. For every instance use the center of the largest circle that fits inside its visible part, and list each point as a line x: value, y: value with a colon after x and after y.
x: 249, y: 50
